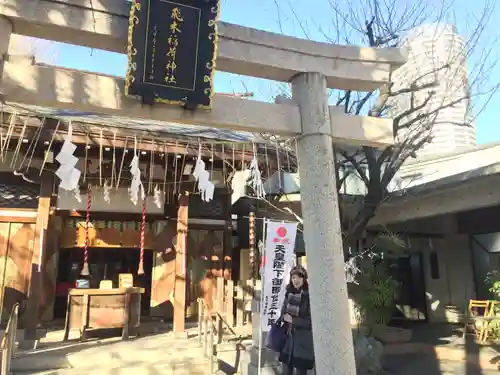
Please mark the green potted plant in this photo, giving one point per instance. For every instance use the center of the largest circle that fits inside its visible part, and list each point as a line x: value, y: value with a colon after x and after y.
x: 375, y: 294
x: 493, y: 281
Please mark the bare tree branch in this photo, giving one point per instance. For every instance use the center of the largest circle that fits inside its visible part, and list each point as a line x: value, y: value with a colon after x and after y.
x: 419, y: 101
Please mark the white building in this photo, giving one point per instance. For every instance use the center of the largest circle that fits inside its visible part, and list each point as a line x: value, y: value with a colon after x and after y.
x: 437, y: 55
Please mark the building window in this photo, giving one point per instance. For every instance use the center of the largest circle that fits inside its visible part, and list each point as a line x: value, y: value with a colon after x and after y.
x: 434, y: 262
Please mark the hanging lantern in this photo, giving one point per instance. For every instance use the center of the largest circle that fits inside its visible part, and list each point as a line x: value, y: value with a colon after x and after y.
x: 85, y: 269
x: 140, y: 271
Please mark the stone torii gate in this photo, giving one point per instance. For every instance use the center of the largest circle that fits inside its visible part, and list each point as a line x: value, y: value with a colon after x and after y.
x: 311, y: 68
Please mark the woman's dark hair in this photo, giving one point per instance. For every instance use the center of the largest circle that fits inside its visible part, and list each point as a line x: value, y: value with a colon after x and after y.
x: 302, y: 273
x: 299, y: 271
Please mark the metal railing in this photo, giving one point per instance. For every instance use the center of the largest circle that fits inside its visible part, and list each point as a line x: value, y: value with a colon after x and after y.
x: 206, y: 330
x: 8, y: 343
x: 214, y: 320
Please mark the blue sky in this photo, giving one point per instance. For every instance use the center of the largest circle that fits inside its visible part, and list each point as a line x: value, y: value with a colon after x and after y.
x: 306, y: 19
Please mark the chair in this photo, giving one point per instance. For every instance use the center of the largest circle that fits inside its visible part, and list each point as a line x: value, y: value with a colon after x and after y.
x: 492, y: 312
x: 475, y: 311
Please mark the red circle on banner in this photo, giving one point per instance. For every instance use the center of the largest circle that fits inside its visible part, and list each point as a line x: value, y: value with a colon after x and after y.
x: 281, y: 232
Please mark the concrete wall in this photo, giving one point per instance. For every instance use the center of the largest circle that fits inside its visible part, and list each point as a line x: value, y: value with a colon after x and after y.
x: 448, y: 294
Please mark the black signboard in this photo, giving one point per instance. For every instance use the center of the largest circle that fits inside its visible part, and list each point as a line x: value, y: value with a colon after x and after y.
x: 172, y: 51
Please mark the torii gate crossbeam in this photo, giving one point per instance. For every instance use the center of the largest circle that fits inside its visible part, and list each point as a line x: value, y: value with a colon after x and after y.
x: 311, y: 68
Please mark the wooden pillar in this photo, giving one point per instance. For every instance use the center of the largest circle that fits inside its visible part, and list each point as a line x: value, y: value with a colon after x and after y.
x: 49, y: 269
x: 180, y: 265
x: 36, y: 284
x: 228, y: 251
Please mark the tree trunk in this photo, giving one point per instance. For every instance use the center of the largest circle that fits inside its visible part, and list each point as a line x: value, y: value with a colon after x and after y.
x: 359, y: 223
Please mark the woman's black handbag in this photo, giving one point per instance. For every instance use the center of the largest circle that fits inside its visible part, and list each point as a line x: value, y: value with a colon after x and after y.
x: 276, y: 338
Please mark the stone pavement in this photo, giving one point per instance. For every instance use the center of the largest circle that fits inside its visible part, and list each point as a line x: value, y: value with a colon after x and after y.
x: 164, y: 353
x: 411, y: 364
x: 440, y: 349
x: 160, y: 354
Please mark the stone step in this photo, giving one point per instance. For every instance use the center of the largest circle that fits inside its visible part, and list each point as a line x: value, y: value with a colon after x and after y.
x: 186, y: 368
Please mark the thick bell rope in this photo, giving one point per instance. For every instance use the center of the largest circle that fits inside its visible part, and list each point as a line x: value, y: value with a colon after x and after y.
x: 140, y: 271
x: 85, y: 269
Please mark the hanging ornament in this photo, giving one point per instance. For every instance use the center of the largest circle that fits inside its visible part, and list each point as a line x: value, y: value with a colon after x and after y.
x: 67, y: 172
x: 238, y: 179
x: 280, y: 186
x: 174, y: 165
x: 255, y: 177
x: 165, y: 172
x: 107, y: 191
x: 8, y: 136
x: 136, y: 184
x: 351, y: 270
x: 23, y: 171
x: 151, y: 167
x: 17, y: 150
x: 202, y: 176
x: 122, y: 164
x: 85, y: 269
x: 86, y: 164
x: 183, y: 164
x: 224, y: 168
x: 140, y: 270
x: 2, y: 140
x: 77, y: 194
x: 100, y: 158
x: 238, y: 184
x: 113, y: 163
x: 157, y: 196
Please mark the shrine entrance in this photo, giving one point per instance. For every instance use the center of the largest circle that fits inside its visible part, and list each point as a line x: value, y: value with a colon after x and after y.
x: 312, y: 68
x: 105, y: 264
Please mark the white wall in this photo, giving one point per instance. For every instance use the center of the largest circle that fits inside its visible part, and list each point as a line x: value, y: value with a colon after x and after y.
x: 421, y: 171
x: 455, y: 285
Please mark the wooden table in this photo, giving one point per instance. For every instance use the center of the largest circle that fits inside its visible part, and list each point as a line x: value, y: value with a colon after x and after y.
x: 103, y: 309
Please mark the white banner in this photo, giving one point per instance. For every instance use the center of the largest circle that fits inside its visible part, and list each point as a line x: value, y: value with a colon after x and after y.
x: 278, y: 261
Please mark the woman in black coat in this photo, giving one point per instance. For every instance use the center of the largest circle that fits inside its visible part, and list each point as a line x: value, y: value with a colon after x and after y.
x: 298, y: 352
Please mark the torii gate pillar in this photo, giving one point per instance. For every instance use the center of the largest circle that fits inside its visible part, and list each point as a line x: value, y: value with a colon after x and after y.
x: 333, y: 346
x: 5, y: 32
